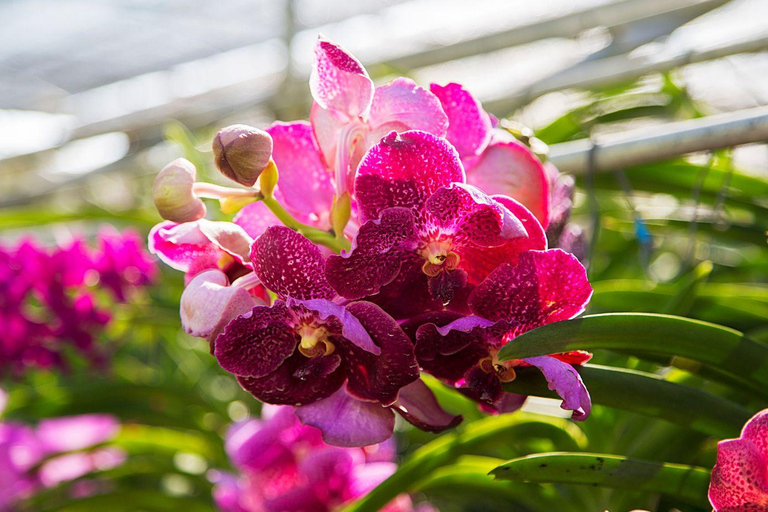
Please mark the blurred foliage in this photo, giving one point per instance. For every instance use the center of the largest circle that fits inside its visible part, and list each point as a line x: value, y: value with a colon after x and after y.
x: 658, y: 226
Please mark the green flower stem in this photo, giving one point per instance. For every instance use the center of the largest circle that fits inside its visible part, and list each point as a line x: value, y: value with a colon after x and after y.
x: 316, y: 235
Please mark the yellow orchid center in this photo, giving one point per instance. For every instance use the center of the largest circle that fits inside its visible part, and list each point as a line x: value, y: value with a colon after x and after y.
x: 439, y: 257
x: 314, y: 341
x: 504, y: 370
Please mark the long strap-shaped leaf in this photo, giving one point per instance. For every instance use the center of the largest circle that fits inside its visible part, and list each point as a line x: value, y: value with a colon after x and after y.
x: 726, y: 351
x: 647, y: 394
x: 688, y: 483
x: 445, y: 450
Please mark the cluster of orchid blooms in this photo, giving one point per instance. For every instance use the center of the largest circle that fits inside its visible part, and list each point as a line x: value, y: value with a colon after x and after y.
x: 286, y: 466
x: 55, y: 451
x: 50, y: 298
x: 398, y: 231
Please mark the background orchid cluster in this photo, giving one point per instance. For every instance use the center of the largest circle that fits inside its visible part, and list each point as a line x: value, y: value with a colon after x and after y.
x: 434, y: 272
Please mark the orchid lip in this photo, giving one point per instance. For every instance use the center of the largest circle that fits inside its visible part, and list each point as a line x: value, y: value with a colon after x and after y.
x: 314, y: 341
x: 439, y: 257
x: 504, y: 370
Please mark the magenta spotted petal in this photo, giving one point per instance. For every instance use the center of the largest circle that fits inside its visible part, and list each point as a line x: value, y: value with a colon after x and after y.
x: 567, y: 383
x: 346, y: 421
x: 740, y: 477
x: 404, y: 170
x: 352, y: 329
x: 469, y: 128
x: 338, y: 81
x: 290, y: 265
x: 377, y: 256
x: 544, y: 287
x: 418, y: 405
x: 509, y: 168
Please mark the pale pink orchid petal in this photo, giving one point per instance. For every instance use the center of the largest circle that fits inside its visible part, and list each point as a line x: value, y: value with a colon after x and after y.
x: 338, y: 81
x: 228, y: 237
x: 255, y: 218
x: 511, y: 169
x: 183, y: 247
x: 402, y: 105
x: 76, y: 432
x: 208, y: 304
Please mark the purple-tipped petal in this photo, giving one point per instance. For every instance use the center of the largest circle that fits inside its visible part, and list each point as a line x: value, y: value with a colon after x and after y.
x: 474, y: 217
x: 290, y: 265
x: 228, y: 237
x: 544, y: 287
x: 256, y: 344
x: 377, y: 255
x: 404, y: 170
x: 76, y: 432
x: 567, y: 383
x: 183, y: 247
x: 740, y: 477
x: 469, y: 128
x: 208, y: 304
x: 509, y: 168
x: 305, y: 187
x: 338, y: 80
x: 402, y: 105
x: 345, y: 421
x: 418, y: 405
x: 379, y: 378
x: 352, y: 329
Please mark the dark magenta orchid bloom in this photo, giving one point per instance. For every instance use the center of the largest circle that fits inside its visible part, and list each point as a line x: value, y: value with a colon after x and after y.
x: 740, y: 477
x: 543, y: 287
x: 345, y: 364
x: 349, y: 115
x: 426, y: 237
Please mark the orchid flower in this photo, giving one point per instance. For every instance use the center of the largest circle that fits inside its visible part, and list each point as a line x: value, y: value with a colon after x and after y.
x: 426, y: 237
x: 740, y: 477
x: 349, y: 115
x: 543, y: 287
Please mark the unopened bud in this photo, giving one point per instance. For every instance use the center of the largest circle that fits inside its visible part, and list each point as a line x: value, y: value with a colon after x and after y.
x: 340, y: 212
x: 173, y: 194
x: 268, y: 180
x: 242, y: 152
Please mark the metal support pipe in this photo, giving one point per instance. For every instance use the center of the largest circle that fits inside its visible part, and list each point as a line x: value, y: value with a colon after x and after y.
x: 657, y: 143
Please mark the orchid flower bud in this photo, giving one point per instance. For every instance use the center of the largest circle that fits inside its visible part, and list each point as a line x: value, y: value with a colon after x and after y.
x: 242, y: 152
x: 173, y: 193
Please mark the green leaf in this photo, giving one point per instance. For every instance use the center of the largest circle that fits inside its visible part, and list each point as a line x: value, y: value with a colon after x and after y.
x: 727, y: 352
x: 688, y: 483
x: 646, y: 394
x: 446, y: 449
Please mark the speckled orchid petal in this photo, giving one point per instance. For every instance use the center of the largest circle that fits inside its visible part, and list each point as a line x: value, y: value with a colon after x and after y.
x: 544, y: 287
x: 509, y: 168
x: 379, y: 377
x: 338, y: 81
x: 209, y: 303
x: 402, y: 105
x: 567, y: 383
x: 469, y: 128
x: 228, y: 237
x: 482, y: 386
x: 352, y: 329
x: 418, y: 405
x: 256, y: 343
x: 474, y: 218
x: 740, y: 477
x: 304, y: 187
x: 183, y: 247
x: 376, y: 256
x: 404, y: 170
x: 290, y: 265
x: 408, y: 294
x: 346, y: 421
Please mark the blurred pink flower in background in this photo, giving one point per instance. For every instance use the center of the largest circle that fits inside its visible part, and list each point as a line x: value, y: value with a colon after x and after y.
x: 50, y: 298
x: 286, y: 466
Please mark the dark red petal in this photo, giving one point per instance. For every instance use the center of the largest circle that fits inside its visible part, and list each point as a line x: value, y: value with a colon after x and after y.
x: 256, y: 343
x: 418, y: 405
x: 289, y: 385
x: 449, y: 353
x: 404, y: 170
x: 290, y: 265
x: 544, y: 287
x: 445, y: 285
x: 375, y: 260
x: 379, y: 378
x: 481, y: 386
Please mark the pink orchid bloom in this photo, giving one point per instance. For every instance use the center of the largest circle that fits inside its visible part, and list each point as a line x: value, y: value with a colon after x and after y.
x: 740, y: 477
x: 286, y: 466
x: 349, y: 115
